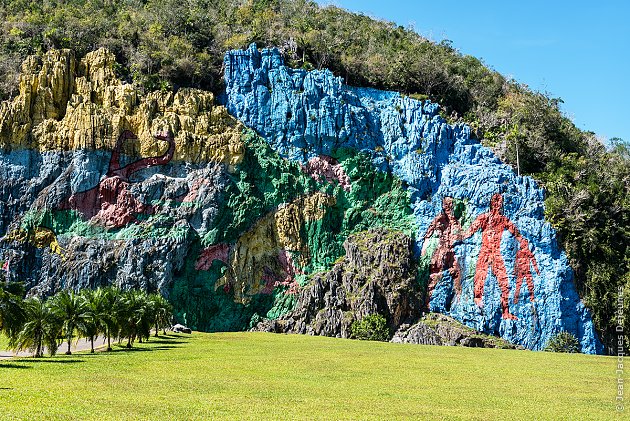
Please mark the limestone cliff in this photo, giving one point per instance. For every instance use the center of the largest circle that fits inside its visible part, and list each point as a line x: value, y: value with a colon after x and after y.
x: 490, y: 259
x: 235, y: 211
x: 101, y: 183
x: 68, y: 104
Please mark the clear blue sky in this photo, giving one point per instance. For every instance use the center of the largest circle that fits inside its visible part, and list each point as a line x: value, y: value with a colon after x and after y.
x: 576, y: 50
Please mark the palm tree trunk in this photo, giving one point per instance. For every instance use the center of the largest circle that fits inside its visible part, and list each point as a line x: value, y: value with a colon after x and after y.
x: 157, y: 329
x: 109, y: 346
x: 92, y: 343
x: 38, y: 349
x: 129, y: 342
x: 68, y: 351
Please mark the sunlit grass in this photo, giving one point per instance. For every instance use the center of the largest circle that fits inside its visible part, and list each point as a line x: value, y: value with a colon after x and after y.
x: 258, y: 375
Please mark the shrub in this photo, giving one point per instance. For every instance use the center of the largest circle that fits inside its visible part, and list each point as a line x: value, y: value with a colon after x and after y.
x: 253, y: 322
x: 563, y: 342
x: 370, y: 328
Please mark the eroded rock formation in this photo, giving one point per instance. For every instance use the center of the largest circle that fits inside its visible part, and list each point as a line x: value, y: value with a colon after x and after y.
x: 102, y: 183
x: 67, y: 104
x: 477, y: 270
x: 439, y: 329
x: 368, y: 280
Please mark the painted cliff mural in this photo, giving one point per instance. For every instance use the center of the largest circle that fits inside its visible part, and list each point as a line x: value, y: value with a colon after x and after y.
x: 230, y: 210
x: 111, y: 203
x: 449, y: 232
x: 477, y: 261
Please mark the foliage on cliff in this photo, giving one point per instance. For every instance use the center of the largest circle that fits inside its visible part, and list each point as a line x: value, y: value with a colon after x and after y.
x: 172, y: 44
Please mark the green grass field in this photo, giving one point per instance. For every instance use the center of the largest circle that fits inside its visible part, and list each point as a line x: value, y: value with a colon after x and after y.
x: 258, y: 375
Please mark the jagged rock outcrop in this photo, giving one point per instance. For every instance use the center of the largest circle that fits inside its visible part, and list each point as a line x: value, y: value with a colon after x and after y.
x: 263, y: 256
x: 439, y: 329
x: 67, y: 104
x: 103, y: 184
x: 368, y: 280
x: 492, y: 262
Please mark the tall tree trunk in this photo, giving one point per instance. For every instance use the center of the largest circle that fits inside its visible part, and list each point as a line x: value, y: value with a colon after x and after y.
x: 92, y: 343
x: 518, y: 163
x: 68, y: 351
x: 109, y: 346
x: 38, y: 348
x: 129, y: 342
x: 157, y: 329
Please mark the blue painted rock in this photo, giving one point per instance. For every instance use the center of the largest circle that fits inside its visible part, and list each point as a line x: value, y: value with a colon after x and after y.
x: 492, y: 261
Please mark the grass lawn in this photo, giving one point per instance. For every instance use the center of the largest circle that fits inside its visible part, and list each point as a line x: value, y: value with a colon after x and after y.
x: 260, y: 375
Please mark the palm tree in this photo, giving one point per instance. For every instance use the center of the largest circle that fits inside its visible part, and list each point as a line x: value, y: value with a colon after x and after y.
x: 134, y: 316
x: 41, y: 329
x: 162, y: 312
x: 112, y: 309
x: 70, y: 308
x: 95, y: 303
x: 146, y: 316
x: 12, y: 315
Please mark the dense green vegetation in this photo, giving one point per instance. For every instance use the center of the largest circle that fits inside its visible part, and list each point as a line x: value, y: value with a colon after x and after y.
x: 169, y: 44
x: 563, y: 342
x: 371, y: 328
x: 35, y: 324
x: 269, y: 376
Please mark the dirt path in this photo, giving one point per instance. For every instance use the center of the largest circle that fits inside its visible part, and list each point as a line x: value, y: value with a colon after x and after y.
x: 100, y: 344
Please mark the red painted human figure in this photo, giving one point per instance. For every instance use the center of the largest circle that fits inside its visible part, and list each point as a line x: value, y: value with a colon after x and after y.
x: 449, y: 231
x: 522, y: 268
x: 492, y: 224
x: 111, y: 202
